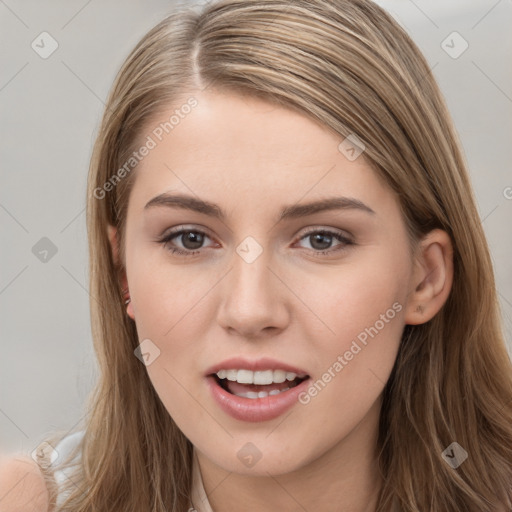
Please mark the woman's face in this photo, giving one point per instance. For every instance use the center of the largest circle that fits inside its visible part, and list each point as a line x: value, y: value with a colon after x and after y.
x: 265, y: 279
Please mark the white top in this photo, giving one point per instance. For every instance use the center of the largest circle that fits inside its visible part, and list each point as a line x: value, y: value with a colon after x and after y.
x: 64, y: 448
x: 199, y: 499
x: 61, y: 452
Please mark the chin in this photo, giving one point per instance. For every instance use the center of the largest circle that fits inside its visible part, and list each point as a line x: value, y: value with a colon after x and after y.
x: 257, y: 455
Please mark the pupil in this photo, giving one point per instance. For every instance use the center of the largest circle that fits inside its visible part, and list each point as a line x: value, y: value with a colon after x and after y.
x: 319, y: 236
x: 194, y: 238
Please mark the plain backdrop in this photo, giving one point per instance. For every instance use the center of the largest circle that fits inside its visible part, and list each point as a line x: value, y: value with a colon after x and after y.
x: 50, y: 112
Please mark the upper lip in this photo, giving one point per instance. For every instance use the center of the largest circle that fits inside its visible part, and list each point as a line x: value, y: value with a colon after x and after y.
x: 264, y: 363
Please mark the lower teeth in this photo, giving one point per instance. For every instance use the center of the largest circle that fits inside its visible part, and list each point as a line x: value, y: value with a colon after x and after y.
x: 260, y: 394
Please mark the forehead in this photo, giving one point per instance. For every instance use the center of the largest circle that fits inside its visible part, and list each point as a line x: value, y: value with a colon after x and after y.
x: 245, y: 149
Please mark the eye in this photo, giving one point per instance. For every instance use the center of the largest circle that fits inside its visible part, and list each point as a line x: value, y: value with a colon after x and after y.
x: 191, y: 239
x: 321, y: 238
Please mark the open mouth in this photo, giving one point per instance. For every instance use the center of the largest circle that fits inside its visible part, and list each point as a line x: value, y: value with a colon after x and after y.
x: 254, y: 391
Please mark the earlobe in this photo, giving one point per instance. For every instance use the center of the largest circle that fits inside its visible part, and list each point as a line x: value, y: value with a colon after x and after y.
x: 432, y: 279
x: 129, y: 311
x: 112, y: 236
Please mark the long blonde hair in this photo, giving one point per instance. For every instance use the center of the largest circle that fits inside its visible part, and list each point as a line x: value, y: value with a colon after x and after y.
x: 350, y: 66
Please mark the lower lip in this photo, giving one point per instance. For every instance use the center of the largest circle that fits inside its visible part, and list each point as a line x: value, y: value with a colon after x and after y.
x: 255, y: 409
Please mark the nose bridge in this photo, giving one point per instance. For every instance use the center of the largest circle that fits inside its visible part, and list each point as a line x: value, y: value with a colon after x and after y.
x: 251, y: 277
x: 251, y: 295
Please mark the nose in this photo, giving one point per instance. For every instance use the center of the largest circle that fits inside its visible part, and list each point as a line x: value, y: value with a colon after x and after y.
x: 254, y: 300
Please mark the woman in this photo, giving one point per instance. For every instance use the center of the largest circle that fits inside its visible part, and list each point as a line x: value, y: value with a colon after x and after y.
x: 292, y: 298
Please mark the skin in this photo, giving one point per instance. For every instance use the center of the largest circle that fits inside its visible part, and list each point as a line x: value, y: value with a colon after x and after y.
x: 22, y: 487
x: 292, y: 303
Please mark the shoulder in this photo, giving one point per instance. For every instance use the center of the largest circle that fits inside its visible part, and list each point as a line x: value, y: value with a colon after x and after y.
x: 22, y: 485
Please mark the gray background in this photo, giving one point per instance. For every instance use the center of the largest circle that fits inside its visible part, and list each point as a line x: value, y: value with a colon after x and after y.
x: 50, y: 111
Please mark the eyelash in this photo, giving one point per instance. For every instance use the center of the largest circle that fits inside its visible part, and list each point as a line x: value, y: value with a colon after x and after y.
x: 170, y: 236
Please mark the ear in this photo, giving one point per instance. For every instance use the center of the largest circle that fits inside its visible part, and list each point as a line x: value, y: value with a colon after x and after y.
x: 112, y: 236
x: 432, y: 277
x: 123, y: 282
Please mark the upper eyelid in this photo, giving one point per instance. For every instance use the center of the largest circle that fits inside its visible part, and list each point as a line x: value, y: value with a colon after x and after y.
x: 183, y: 229
x: 338, y: 231
x: 206, y: 231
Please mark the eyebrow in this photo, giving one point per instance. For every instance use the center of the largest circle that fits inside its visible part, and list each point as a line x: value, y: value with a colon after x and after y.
x: 187, y: 202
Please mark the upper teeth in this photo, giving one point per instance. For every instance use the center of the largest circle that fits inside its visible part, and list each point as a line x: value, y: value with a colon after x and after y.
x: 258, y: 377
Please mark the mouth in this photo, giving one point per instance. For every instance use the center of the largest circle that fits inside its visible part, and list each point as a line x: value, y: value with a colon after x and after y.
x: 255, y: 390
x: 259, y: 384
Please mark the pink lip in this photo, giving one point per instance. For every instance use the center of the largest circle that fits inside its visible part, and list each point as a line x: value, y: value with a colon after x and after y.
x: 257, y: 409
x: 265, y: 363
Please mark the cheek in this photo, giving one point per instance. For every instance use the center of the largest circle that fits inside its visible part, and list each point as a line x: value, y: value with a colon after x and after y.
x: 167, y: 296
x: 171, y: 309
x: 352, y: 297
x: 356, y: 328
x: 172, y: 317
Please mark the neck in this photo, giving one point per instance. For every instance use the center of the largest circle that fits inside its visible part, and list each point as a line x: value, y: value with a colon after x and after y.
x: 345, y: 478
